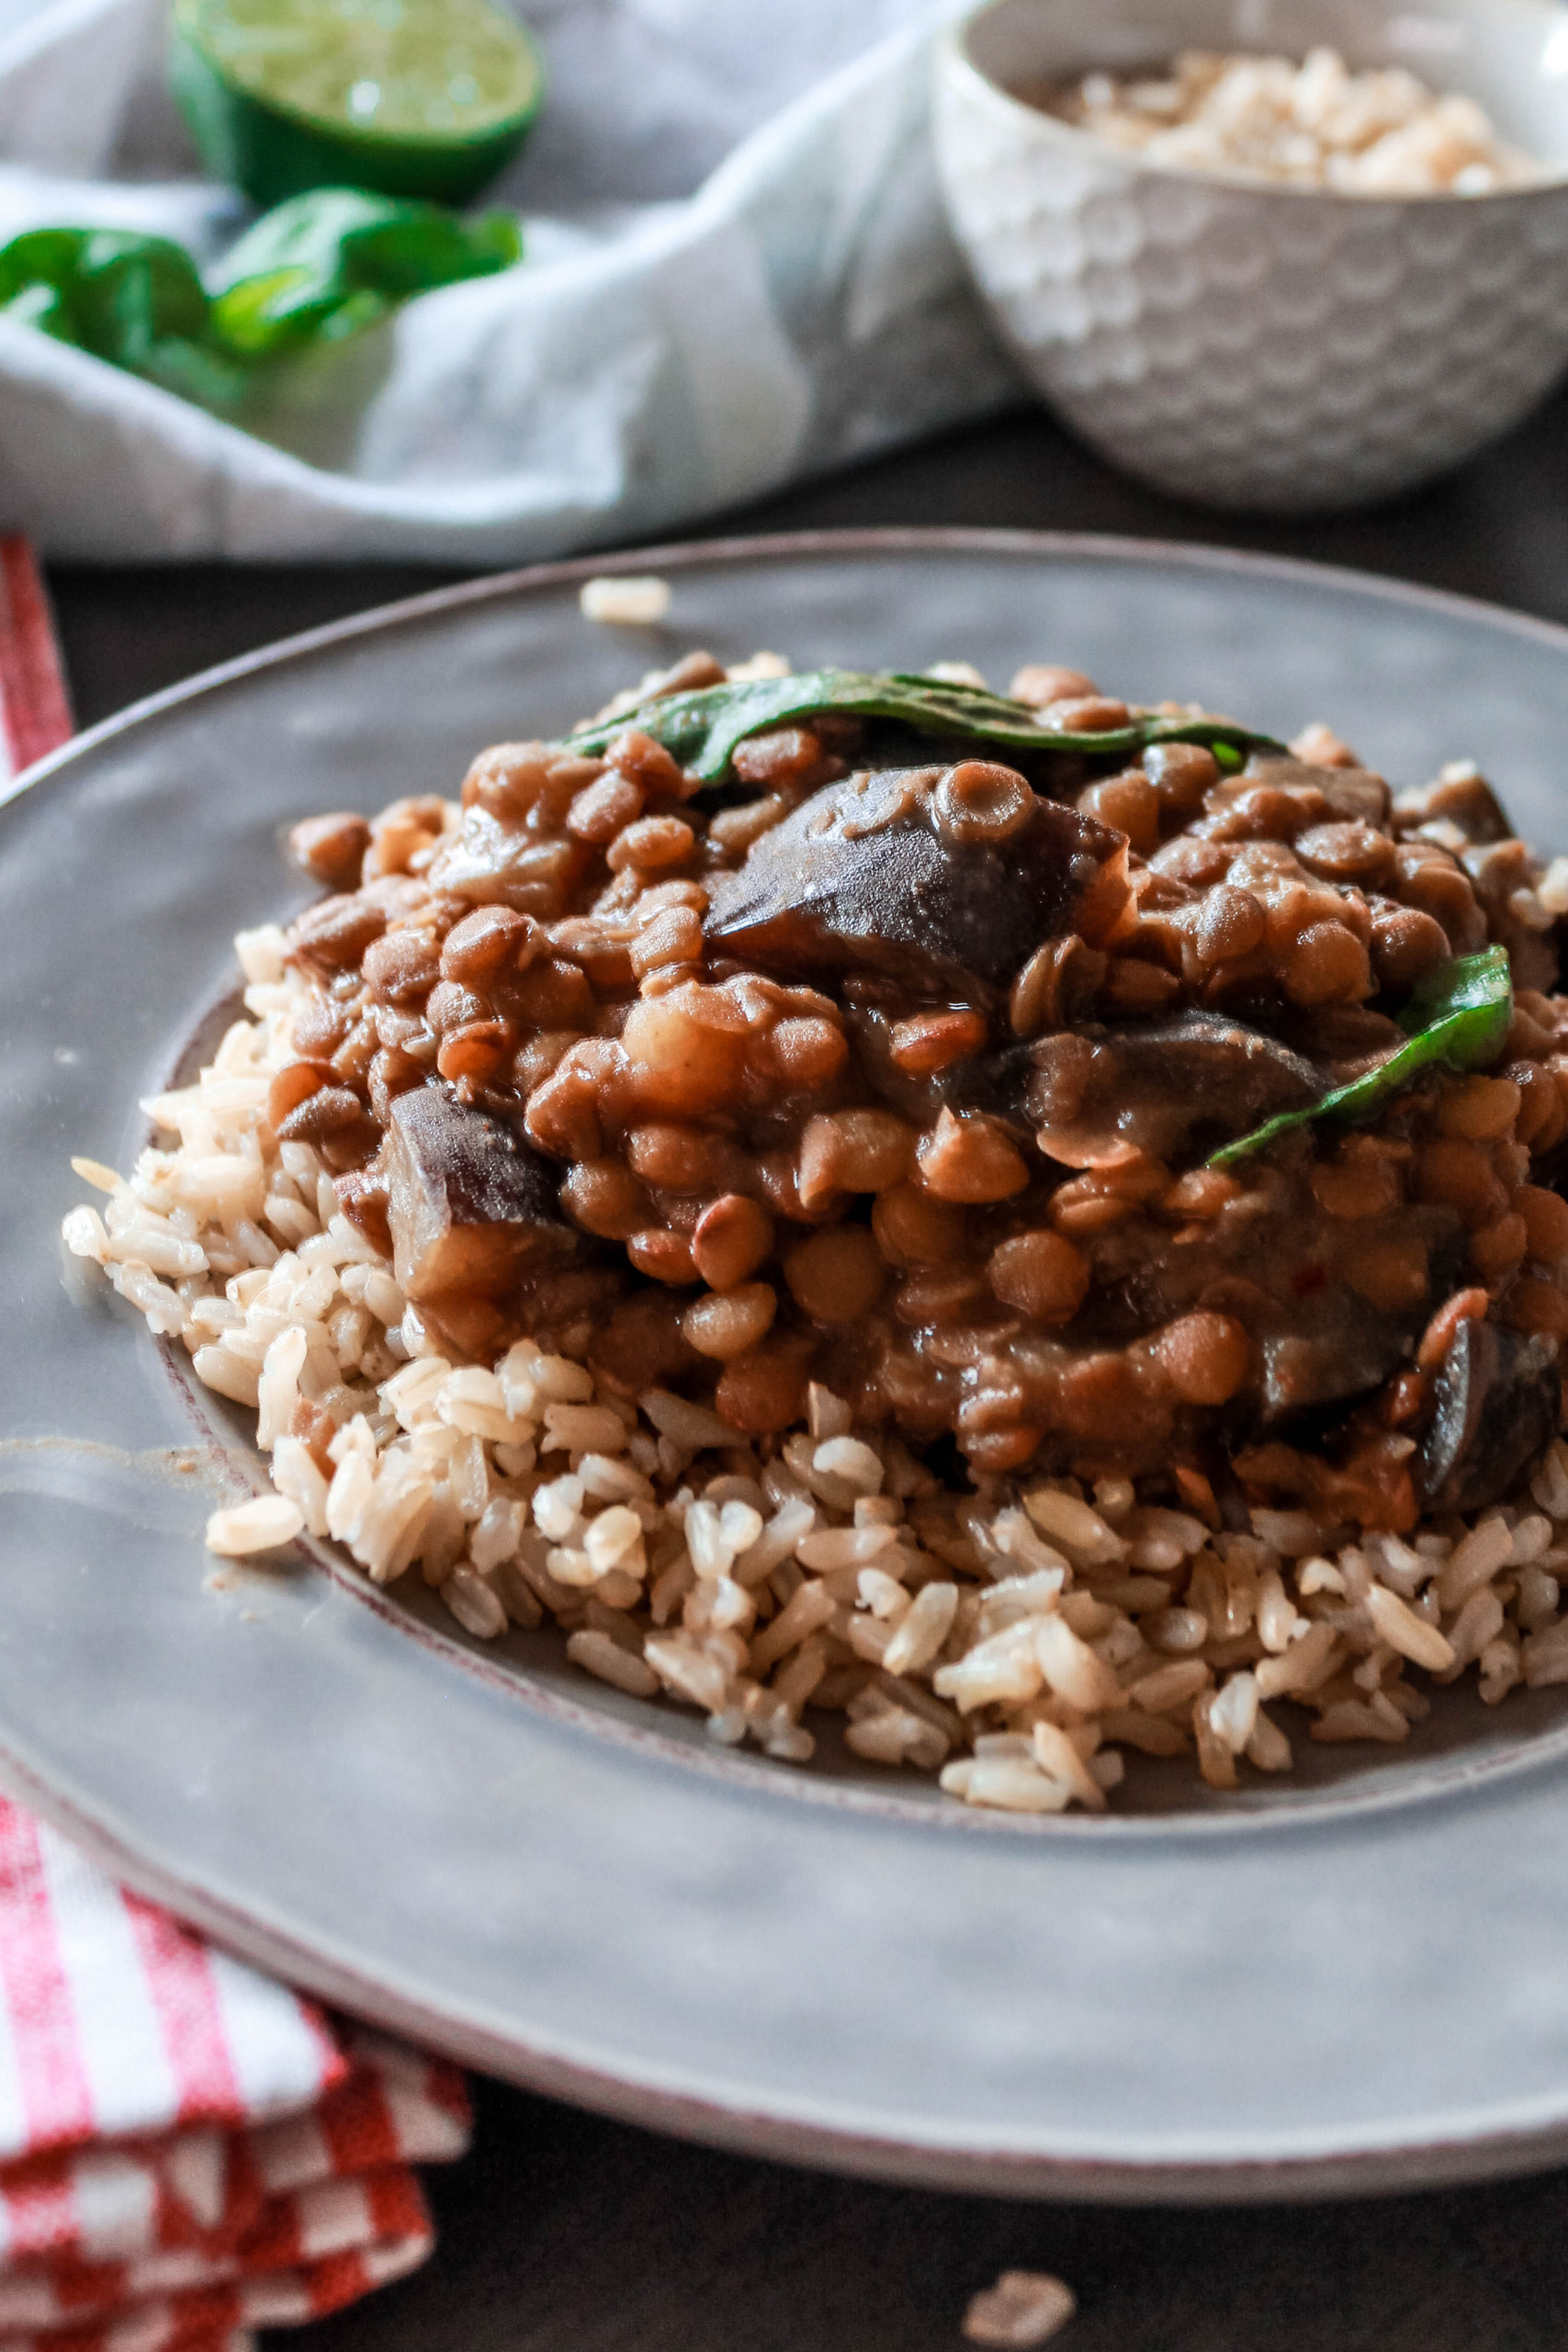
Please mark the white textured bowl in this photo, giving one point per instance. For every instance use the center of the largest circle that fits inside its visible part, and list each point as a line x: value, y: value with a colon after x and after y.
x: 1259, y: 346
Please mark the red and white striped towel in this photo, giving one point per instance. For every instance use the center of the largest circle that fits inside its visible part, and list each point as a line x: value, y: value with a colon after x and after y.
x: 35, y: 709
x: 187, y: 2151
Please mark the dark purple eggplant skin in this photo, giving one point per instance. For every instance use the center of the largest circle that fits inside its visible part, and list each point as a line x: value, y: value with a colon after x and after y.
x: 472, y: 1206
x: 1161, y: 1084
x: 941, y: 918
x: 1495, y: 1403
x: 1158, y: 1083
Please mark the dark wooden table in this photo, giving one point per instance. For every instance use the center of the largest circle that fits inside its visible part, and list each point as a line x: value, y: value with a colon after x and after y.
x: 564, y: 2234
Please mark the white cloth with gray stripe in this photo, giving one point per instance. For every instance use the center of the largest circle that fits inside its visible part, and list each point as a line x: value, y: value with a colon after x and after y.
x: 740, y: 275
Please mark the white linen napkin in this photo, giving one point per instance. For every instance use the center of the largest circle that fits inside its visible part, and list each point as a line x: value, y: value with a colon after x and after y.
x: 741, y: 275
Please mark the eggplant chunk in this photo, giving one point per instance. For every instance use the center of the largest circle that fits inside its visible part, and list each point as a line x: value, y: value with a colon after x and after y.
x: 870, y: 875
x: 472, y: 1206
x: 1495, y: 1403
x: 1155, y: 1086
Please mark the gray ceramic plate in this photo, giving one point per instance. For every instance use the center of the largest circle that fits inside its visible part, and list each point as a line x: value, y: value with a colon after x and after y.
x: 1355, y: 1982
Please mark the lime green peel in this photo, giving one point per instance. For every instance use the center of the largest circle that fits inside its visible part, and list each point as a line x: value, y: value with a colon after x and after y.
x: 408, y: 98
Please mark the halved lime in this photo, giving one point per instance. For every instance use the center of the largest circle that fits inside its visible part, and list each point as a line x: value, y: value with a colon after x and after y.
x: 408, y: 98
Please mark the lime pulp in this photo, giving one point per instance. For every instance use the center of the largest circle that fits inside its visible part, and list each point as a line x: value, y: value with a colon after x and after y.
x: 417, y: 97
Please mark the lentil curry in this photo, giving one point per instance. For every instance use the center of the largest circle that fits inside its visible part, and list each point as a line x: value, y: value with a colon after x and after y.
x: 841, y: 1096
x: 900, y: 1070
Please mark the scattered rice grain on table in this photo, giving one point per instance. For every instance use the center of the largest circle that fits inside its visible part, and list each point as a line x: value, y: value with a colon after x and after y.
x: 1024, y: 2308
x: 625, y: 600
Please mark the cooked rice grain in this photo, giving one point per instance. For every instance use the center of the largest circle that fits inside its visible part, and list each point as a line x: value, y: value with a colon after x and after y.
x: 1024, y: 2308
x: 258, y: 1526
x: 625, y: 602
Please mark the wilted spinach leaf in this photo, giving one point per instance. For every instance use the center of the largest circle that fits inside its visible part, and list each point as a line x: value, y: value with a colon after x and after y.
x: 702, y: 730
x: 324, y: 264
x: 1458, y: 1016
x: 311, y: 272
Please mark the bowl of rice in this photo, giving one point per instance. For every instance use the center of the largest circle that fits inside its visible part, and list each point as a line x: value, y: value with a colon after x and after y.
x: 1288, y: 260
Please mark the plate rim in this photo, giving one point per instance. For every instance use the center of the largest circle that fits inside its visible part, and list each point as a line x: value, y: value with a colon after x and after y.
x: 1358, y: 2170
x: 1371, y: 2170
x: 676, y: 555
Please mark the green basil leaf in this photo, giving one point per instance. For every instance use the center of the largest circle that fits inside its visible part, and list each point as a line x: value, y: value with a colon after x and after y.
x: 312, y: 271
x: 330, y: 261
x: 702, y: 730
x: 1458, y: 1017
x: 110, y: 291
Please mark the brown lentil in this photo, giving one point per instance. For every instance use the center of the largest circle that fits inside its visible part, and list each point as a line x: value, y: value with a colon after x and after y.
x: 1545, y: 1218
x: 482, y: 946
x: 787, y: 756
x: 731, y: 1238
x: 1041, y: 1275
x: 331, y: 849
x: 1206, y: 1358
x: 1408, y: 944
x: 979, y: 801
x: 1130, y: 804
x: 1056, y: 986
x: 808, y: 1052
x: 837, y: 1276
x: 934, y: 1041
x: 1040, y: 683
x: 1479, y: 1109
x: 647, y: 763
x: 914, y: 1229
x: 853, y: 1151
x: 652, y: 844
x: 601, y: 808
x: 727, y: 1323
x: 970, y: 1160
